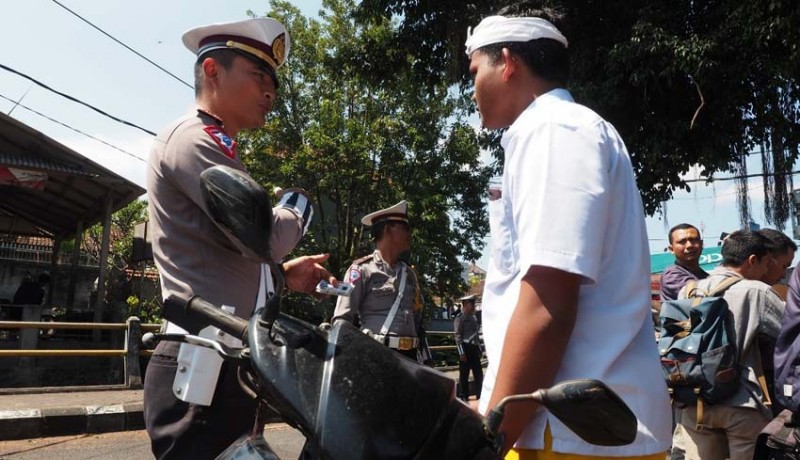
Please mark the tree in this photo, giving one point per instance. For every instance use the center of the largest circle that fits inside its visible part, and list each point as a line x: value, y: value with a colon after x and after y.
x: 358, y: 145
x: 121, y: 234
x: 685, y: 82
x: 119, y: 288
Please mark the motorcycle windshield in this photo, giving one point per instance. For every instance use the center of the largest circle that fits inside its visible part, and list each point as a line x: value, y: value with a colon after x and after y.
x: 353, y: 397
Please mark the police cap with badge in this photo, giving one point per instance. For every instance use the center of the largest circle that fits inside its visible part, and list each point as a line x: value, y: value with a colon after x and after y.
x: 468, y: 298
x: 377, y: 219
x: 262, y: 40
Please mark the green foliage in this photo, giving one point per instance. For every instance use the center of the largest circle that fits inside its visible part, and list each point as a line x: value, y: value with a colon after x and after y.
x: 118, y: 286
x: 120, y: 236
x: 358, y: 144
x: 147, y: 310
x: 685, y: 82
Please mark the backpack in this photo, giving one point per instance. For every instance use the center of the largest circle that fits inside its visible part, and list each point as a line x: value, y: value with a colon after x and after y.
x: 697, y: 346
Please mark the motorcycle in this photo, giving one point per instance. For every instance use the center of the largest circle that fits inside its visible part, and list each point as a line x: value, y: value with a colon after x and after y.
x: 350, y: 396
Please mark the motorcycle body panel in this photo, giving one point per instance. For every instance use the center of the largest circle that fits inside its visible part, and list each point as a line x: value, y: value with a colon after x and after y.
x: 354, y: 398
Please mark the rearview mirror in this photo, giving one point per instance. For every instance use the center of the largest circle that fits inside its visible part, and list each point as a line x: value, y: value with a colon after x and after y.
x: 592, y: 410
x: 587, y: 407
x: 240, y: 207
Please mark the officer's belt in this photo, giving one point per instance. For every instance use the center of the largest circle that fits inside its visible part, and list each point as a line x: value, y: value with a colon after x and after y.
x: 397, y: 342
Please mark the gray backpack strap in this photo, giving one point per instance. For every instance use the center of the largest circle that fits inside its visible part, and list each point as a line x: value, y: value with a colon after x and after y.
x: 725, y: 284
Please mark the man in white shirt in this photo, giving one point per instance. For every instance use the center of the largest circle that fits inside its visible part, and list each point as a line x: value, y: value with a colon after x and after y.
x: 567, y: 292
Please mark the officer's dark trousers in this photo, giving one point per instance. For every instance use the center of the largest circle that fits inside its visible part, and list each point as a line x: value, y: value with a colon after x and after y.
x: 473, y: 362
x: 179, y: 430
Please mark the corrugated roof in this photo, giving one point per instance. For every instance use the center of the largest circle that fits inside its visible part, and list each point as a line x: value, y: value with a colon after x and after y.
x: 75, y: 191
x: 38, y: 164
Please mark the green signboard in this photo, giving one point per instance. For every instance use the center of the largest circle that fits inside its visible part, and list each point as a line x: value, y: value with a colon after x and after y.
x: 710, y: 258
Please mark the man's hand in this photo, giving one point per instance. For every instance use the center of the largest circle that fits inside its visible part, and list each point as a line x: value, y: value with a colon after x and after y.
x: 304, y: 273
x: 463, y: 358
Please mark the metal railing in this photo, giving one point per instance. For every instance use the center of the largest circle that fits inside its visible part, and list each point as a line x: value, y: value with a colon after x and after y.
x: 131, y: 353
x: 133, y: 344
x: 42, y: 254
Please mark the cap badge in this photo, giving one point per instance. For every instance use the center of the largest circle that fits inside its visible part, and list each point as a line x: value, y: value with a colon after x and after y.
x: 279, y: 48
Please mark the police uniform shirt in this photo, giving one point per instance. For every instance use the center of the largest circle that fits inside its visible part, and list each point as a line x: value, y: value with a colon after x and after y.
x: 465, y: 329
x: 375, y: 286
x: 193, y: 256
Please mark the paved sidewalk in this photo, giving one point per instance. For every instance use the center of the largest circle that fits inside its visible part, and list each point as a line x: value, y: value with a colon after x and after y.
x: 37, y: 415
x: 25, y: 416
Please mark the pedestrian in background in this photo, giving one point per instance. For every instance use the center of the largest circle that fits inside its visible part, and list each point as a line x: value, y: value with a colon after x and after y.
x: 386, y: 301
x: 686, y: 244
x: 468, y: 343
x: 728, y: 429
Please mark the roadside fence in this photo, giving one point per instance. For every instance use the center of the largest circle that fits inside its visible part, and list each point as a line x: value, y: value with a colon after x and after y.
x: 131, y: 352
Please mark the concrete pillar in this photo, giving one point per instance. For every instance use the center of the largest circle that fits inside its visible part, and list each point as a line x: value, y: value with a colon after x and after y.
x: 133, y: 344
x: 99, y: 305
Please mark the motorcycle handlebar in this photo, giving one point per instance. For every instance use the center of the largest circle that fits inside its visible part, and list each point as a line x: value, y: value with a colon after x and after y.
x: 197, y: 313
x: 217, y: 317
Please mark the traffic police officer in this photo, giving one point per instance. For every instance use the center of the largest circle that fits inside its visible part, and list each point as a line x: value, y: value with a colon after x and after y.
x: 468, y: 344
x: 386, y: 299
x: 235, y: 88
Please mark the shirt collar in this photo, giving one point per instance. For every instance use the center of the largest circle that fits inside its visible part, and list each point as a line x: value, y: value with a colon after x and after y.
x: 554, y: 95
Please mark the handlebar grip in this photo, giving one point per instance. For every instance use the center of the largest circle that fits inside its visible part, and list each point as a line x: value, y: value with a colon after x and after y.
x: 217, y: 317
x: 197, y: 314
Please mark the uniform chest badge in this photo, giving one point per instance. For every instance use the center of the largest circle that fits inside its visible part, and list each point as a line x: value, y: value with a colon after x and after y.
x: 354, y: 275
x: 225, y: 143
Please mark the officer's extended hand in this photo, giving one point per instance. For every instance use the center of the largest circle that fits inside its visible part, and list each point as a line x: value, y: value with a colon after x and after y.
x: 303, y: 273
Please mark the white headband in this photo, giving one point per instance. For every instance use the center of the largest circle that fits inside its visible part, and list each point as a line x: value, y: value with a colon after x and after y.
x: 500, y: 29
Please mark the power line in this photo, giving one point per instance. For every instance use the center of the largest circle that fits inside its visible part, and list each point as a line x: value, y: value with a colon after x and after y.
x: 67, y: 96
x: 19, y: 104
x: 717, y: 179
x: 16, y: 103
x: 123, y: 44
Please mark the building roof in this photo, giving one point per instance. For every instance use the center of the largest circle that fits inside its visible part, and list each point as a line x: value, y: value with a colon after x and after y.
x: 74, y: 188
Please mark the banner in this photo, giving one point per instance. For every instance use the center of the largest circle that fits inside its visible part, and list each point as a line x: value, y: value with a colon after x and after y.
x: 22, y: 178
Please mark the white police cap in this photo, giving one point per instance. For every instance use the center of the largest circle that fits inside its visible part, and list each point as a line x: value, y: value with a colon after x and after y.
x: 264, y: 38
x: 397, y: 213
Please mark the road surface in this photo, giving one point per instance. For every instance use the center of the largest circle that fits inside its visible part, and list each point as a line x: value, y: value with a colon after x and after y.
x: 127, y: 445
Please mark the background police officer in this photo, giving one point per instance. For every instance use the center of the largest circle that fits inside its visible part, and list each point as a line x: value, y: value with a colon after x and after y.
x: 386, y: 299
x: 465, y: 328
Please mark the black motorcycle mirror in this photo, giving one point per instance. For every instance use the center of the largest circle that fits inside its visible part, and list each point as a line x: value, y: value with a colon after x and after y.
x: 243, y: 210
x: 587, y: 407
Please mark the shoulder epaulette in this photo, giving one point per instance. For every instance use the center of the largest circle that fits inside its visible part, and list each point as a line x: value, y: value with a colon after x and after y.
x: 361, y: 260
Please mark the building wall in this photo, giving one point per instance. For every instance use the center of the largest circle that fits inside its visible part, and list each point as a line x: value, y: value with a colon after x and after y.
x: 12, y: 272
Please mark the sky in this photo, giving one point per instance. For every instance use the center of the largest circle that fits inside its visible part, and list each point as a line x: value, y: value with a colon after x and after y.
x: 45, y: 41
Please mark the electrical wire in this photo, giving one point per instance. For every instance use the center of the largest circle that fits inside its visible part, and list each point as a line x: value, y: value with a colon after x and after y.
x: 19, y: 104
x: 719, y: 179
x: 73, y: 99
x: 123, y: 44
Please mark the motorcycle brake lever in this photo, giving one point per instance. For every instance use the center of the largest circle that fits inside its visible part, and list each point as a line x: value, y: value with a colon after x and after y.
x: 150, y: 340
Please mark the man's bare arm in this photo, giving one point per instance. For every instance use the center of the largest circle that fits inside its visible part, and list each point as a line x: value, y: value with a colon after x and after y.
x: 537, y: 337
